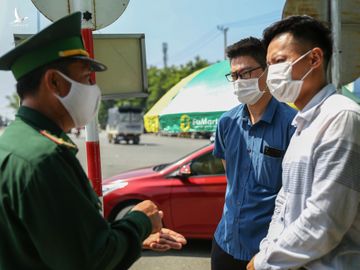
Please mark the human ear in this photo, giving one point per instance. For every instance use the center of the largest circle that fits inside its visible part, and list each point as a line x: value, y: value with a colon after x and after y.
x: 50, y: 80
x: 317, y: 57
x: 56, y: 83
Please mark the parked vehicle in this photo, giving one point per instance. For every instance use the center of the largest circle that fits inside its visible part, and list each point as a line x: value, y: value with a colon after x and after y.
x: 124, y: 124
x: 212, y: 137
x: 190, y: 191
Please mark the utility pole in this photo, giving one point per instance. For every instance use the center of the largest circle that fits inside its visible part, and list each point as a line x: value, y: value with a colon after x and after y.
x: 335, y: 19
x: 38, y: 20
x: 224, y: 30
x: 165, y: 48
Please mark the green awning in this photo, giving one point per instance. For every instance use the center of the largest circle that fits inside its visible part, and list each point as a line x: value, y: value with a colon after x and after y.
x: 200, y: 103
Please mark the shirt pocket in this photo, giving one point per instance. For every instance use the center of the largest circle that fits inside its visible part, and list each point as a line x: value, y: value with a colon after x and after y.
x: 269, y: 171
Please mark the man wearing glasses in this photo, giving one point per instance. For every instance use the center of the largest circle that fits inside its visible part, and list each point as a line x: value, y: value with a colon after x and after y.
x: 251, y: 140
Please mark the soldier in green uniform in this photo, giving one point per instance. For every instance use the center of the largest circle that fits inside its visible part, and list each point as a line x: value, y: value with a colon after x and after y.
x: 49, y: 215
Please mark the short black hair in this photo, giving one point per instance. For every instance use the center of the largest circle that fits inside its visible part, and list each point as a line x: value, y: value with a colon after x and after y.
x: 304, y: 29
x: 29, y: 83
x: 250, y: 46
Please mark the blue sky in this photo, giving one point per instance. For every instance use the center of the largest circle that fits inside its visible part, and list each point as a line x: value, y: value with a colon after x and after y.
x: 188, y: 26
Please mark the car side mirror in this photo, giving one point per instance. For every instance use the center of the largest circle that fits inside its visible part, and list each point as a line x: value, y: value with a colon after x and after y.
x: 185, y: 171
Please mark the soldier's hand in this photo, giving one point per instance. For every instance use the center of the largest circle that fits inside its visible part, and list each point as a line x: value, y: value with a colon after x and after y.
x: 164, y: 240
x: 151, y: 210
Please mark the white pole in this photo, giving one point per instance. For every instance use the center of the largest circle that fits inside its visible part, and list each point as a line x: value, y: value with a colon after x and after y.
x: 38, y: 20
x: 336, y: 57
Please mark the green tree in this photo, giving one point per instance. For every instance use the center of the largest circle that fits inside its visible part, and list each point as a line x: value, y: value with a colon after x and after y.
x: 14, y: 101
x: 103, y: 111
x: 160, y: 80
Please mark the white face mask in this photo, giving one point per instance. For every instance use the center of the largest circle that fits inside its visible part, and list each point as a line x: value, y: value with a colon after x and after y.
x: 280, y: 82
x: 81, y: 102
x: 247, y: 91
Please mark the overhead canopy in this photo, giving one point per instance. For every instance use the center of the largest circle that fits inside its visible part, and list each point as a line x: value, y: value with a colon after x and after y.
x: 151, y: 118
x: 200, y: 103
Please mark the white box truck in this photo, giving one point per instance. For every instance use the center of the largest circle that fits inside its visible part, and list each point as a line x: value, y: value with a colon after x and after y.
x: 124, y: 124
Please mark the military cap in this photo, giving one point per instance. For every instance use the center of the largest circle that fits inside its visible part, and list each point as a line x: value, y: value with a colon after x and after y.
x: 62, y: 39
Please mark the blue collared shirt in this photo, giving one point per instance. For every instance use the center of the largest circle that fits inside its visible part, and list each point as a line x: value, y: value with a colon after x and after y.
x: 253, y: 155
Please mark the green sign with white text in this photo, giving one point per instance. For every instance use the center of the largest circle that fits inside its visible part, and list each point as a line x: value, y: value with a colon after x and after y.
x: 190, y: 122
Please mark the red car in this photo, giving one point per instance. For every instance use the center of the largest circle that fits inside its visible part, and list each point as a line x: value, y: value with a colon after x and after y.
x: 190, y: 191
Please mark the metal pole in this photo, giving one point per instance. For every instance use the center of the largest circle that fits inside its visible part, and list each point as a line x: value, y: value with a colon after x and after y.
x: 92, y: 135
x: 224, y: 30
x: 38, y: 21
x: 336, y: 57
x: 165, y: 48
x: 225, y: 41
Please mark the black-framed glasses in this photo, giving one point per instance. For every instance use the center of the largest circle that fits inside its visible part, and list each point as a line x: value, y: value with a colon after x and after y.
x: 233, y: 76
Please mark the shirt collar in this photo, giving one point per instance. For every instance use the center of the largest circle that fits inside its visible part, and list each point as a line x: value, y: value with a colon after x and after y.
x: 267, y: 116
x: 309, y: 111
x: 270, y: 110
x: 41, y: 122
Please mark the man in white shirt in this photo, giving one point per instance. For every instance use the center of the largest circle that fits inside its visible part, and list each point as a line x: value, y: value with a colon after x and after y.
x: 316, y: 221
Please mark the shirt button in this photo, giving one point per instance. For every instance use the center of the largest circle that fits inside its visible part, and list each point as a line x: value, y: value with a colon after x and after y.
x: 282, y: 219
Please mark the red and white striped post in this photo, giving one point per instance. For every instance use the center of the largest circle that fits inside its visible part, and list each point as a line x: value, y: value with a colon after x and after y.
x: 94, y: 17
x: 92, y: 134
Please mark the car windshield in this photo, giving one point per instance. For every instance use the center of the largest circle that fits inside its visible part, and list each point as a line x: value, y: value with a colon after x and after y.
x: 160, y: 167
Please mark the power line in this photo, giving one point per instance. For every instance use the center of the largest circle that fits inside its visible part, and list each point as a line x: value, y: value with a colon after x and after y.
x: 194, y: 46
x: 259, y: 19
x: 204, y: 38
x: 209, y: 36
x: 197, y: 47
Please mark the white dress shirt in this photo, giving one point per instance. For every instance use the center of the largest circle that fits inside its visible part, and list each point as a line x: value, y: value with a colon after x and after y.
x: 316, y: 221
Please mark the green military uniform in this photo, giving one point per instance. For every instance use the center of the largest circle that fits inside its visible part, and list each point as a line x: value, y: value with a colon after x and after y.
x: 49, y: 214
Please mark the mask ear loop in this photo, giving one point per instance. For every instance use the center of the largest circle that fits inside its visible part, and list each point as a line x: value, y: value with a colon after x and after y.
x: 307, y: 73
x: 301, y: 57
x: 262, y: 74
x: 65, y: 77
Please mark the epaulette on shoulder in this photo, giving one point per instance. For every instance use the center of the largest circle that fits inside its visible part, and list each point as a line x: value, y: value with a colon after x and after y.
x: 57, y: 140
